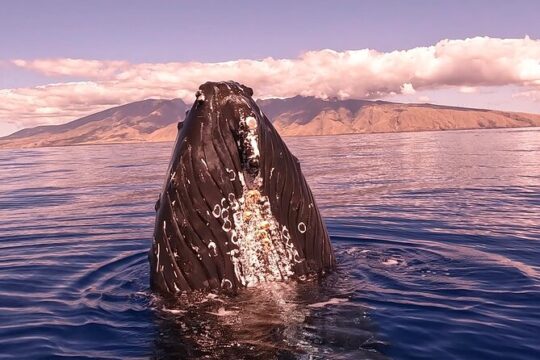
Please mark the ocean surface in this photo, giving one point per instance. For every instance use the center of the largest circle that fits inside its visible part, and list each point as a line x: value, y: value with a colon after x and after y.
x: 437, y: 237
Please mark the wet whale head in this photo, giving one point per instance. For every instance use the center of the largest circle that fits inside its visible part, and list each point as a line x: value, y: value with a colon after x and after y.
x: 235, y: 209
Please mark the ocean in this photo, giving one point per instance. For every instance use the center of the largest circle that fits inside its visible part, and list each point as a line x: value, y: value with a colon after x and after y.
x: 436, y: 234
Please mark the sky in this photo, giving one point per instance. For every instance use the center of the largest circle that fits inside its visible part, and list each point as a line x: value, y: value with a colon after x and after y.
x: 64, y: 59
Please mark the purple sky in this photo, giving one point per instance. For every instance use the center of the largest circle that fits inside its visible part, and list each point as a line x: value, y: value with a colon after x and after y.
x: 216, y: 31
x: 160, y: 31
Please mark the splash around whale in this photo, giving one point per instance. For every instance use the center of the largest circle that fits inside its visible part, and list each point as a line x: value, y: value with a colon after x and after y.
x: 235, y: 209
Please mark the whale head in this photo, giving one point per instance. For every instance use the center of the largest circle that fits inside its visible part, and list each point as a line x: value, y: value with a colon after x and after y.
x: 235, y: 209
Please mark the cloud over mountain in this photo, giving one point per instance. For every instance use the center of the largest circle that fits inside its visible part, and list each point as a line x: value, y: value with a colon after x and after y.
x: 92, y: 85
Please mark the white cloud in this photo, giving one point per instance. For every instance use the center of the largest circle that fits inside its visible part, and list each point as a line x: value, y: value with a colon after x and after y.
x: 367, y: 74
x: 94, y: 69
x: 467, y: 89
x: 407, y: 89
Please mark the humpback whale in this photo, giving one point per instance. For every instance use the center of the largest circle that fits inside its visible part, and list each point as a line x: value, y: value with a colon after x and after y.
x: 235, y: 209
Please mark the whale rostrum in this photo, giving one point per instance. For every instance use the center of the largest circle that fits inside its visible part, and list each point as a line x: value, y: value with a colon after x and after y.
x: 235, y: 209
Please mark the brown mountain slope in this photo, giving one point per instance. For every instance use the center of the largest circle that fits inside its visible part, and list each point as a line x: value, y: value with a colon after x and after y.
x: 356, y: 116
x: 156, y: 120
x: 134, y: 122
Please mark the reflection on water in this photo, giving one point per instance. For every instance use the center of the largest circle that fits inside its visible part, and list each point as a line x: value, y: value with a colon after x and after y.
x: 286, y: 321
x: 436, y: 236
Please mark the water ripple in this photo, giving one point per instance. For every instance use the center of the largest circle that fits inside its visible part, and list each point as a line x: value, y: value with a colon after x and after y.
x: 436, y: 237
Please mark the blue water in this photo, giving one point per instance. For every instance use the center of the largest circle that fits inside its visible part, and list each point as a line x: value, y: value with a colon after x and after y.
x: 437, y: 237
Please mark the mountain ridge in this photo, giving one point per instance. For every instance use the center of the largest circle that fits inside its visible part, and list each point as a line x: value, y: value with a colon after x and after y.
x: 153, y: 120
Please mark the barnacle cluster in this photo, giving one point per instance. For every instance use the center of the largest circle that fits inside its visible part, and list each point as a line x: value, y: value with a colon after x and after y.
x: 264, y: 251
x: 264, y: 254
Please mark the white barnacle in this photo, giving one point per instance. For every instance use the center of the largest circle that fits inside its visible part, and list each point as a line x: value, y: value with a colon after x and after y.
x: 255, y: 146
x: 237, y: 217
x: 212, y: 246
x: 225, y: 282
x: 241, y: 178
x: 285, y: 233
x: 232, y: 174
x: 302, y: 227
x: 234, y: 237
x: 217, y: 211
x: 251, y: 122
x: 290, y: 255
x: 234, y: 253
x: 227, y: 226
x: 296, y: 256
x: 204, y: 163
x: 225, y: 213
